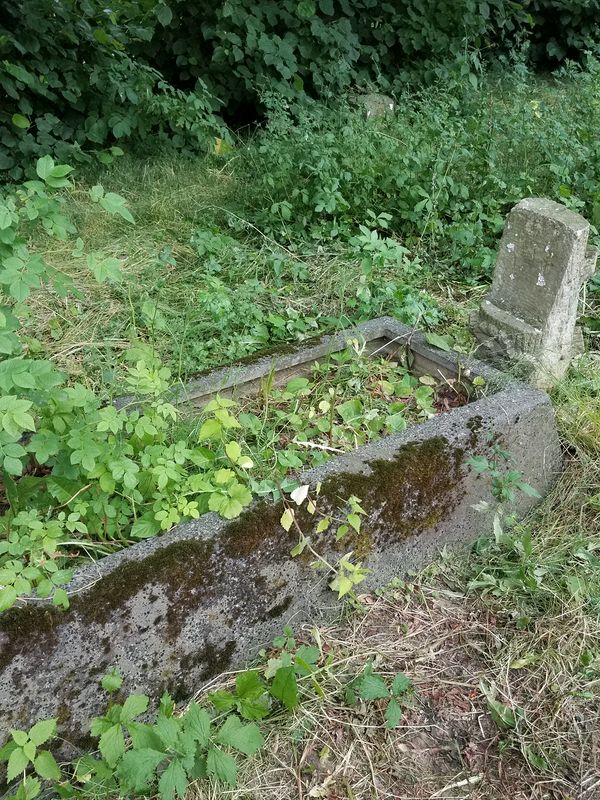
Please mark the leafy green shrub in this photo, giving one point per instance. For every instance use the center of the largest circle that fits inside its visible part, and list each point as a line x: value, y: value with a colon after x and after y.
x: 167, y: 748
x: 324, y: 47
x: 72, y: 89
x: 562, y: 29
x: 442, y: 172
x: 117, y: 471
x: 82, y: 79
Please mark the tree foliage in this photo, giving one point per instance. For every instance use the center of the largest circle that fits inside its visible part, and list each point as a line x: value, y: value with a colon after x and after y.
x: 73, y: 89
x: 80, y: 79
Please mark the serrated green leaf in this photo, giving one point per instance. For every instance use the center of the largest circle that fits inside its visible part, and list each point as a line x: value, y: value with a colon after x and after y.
x: 246, y: 738
x: 135, y: 705
x: 173, y: 781
x: 112, y: 744
x: 46, y: 766
x: 285, y: 687
x: 222, y: 766
x: 136, y: 768
x: 17, y: 764
x: 168, y: 730
x: 42, y: 731
x: 197, y: 723
x: 372, y: 687
x: 20, y: 737
x: 112, y: 681
x: 402, y: 683
x: 393, y: 713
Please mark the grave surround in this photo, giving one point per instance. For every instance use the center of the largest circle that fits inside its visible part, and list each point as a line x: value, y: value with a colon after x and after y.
x: 173, y: 611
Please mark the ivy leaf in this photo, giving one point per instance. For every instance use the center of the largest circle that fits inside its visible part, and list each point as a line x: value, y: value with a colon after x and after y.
x: 112, y: 744
x: 222, y: 766
x: 137, y: 767
x: 46, y: 767
x: 246, y: 739
x: 285, y: 687
x: 222, y: 700
x: 173, y: 780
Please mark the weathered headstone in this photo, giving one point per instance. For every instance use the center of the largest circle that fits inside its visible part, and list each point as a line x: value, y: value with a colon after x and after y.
x: 376, y: 105
x: 528, y: 318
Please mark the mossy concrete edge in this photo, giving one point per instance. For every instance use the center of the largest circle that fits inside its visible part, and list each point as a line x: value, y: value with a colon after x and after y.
x: 172, y: 612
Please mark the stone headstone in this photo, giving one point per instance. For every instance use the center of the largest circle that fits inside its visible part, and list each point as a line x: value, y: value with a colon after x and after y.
x: 376, y: 105
x: 528, y: 318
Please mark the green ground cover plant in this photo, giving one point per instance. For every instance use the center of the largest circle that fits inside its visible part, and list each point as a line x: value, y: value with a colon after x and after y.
x: 162, y: 754
x: 347, y: 400
x: 317, y: 220
x: 213, y: 271
x: 82, y: 81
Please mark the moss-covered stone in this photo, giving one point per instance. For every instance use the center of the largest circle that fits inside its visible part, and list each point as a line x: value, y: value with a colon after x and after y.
x: 403, y: 496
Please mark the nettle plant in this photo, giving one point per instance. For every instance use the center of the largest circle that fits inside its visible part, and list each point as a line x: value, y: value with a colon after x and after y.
x: 79, y: 475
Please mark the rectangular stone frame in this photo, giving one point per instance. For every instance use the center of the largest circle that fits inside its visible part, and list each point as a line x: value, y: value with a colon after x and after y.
x: 173, y: 611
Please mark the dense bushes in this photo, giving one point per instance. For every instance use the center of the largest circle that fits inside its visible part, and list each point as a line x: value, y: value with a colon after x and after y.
x: 322, y: 47
x: 446, y: 167
x: 73, y: 89
x: 79, y: 77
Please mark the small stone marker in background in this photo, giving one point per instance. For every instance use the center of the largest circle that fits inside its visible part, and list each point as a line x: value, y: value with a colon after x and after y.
x: 528, y: 318
x: 375, y: 105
